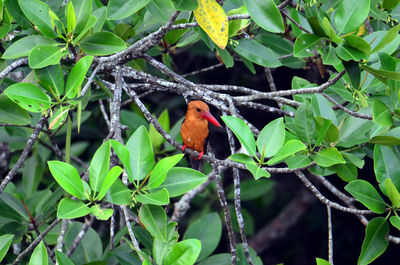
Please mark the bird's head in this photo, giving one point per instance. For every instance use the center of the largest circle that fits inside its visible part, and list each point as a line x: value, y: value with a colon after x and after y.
x: 198, y: 109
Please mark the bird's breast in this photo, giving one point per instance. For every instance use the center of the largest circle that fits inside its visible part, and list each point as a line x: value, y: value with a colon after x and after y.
x: 194, y: 134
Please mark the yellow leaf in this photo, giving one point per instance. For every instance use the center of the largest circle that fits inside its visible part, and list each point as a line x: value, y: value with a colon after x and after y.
x: 361, y: 30
x: 213, y: 20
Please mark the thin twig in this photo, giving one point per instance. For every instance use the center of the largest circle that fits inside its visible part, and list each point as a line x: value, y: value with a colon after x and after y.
x: 330, y: 237
x: 12, y: 66
x: 29, y: 144
x: 131, y: 234
x: 80, y: 236
x: 351, y: 112
x: 61, y: 236
x: 91, y: 78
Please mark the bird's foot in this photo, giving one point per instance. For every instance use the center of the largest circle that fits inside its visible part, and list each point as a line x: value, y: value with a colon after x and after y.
x: 184, y: 147
x: 200, y: 155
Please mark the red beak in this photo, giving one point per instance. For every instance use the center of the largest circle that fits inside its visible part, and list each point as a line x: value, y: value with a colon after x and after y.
x: 207, y: 115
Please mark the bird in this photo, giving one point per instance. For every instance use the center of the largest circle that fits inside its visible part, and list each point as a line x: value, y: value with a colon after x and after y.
x: 194, y: 130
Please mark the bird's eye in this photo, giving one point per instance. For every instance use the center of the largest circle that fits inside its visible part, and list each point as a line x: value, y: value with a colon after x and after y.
x: 198, y: 109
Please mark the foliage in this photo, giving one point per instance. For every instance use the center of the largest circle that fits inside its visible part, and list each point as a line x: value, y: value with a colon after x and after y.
x: 61, y: 60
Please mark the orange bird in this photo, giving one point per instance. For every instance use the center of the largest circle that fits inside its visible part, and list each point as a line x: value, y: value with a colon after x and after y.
x: 194, y: 130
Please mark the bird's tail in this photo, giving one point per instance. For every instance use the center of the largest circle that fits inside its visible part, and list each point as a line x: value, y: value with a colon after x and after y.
x: 197, y: 164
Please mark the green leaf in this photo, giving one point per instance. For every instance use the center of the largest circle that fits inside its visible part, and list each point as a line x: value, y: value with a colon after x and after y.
x: 100, y: 15
x: 67, y: 177
x: 70, y: 209
x: 28, y: 96
x: 51, y: 78
x: 5, y: 243
x: 329, y: 157
x: 71, y: 19
x: 119, y: 194
x: 120, y: 9
x: 82, y: 10
x: 365, y: 193
x: 347, y: 172
x: 77, y: 75
x: 357, y: 43
x: 99, y: 166
x: 385, y: 140
x: 330, y: 31
x: 395, y: 221
x: 23, y: 47
x: 350, y: 15
x: 161, y: 169
x: 102, y: 43
x: 305, y: 44
x: 298, y: 161
x: 180, y: 180
x: 353, y: 70
x: 11, y: 113
x: 160, y: 197
x: 161, y: 10
x: 220, y: 259
x: 44, y: 55
x: 207, y: 229
x: 257, y: 53
x: 251, y: 189
x: 91, y: 23
x: 154, y: 220
x: 348, y: 53
x: 123, y: 155
x: 184, y: 252
x: 156, y: 138
x: 375, y: 241
x: 242, y: 256
x: 62, y: 259
x: 140, y: 154
x: 321, y: 107
x: 242, y: 132
x: 101, y: 213
x: 109, y: 180
x: 386, y: 165
x: 322, y: 261
x: 271, y: 138
x: 382, y: 73
x: 58, y: 117
x: 39, y: 14
x: 288, y: 149
x: 381, y: 114
x: 304, y: 123
x: 392, y: 193
x: 226, y: 57
x: 257, y: 171
x: 388, y: 38
x: 242, y: 158
x: 328, y: 55
x: 354, y: 130
x: 185, y: 5
x: 265, y: 14
x: 39, y: 255
x: 160, y: 248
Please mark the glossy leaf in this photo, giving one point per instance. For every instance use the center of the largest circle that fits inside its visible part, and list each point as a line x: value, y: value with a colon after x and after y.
x: 102, y: 43
x: 71, y: 19
x: 161, y: 10
x: 101, y: 213
x: 381, y: 114
x: 353, y: 71
x: 392, y: 193
x: 59, y: 116
x: 51, y: 78
x: 350, y: 15
x: 109, y: 180
x: 347, y: 172
x: 322, y: 261
x: 242, y: 132
x: 62, y: 259
x: 161, y: 169
x: 119, y: 194
x: 386, y: 164
x: 70, y: 209
x: 220, y: 259
x: 354, y: 131
x: 288, y: 149
x: 385, y: 140
x: 39, y: 255
x: 252, y: 189
x: 44, y: 55
x: 23, y: 47
x: 304, y: 123
x: 154, y: 220
x: 185, y: 5
x: 184, y: 252
x: 257, y: 53
x: 257, y: 171
x: 28, y: 96
x: 38, y: 13
x: 388, y: 38
x: 82, y: 10
x: 213, y: 20
x: 242, y: 158
x: 11, y: 113
x: 328, y: 157
x: 140, y: 154
x: 207, y: 229
x: 5, y: 243
x: 365, y: 193
x: 120, y: 9
x: 375, y: 241
x: 298, y: 161
x: 156, y: 138
x: 305, y: 44
x: 180, y: 180
x: 99, y: 166
x: 382, y: 73
x: 160, y: 197
x: 395, y: 221
x: 265, y: 14
x: 67, y: 177
x: 271, y: 138
x: 77, y: 75
x: 160, y: 248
